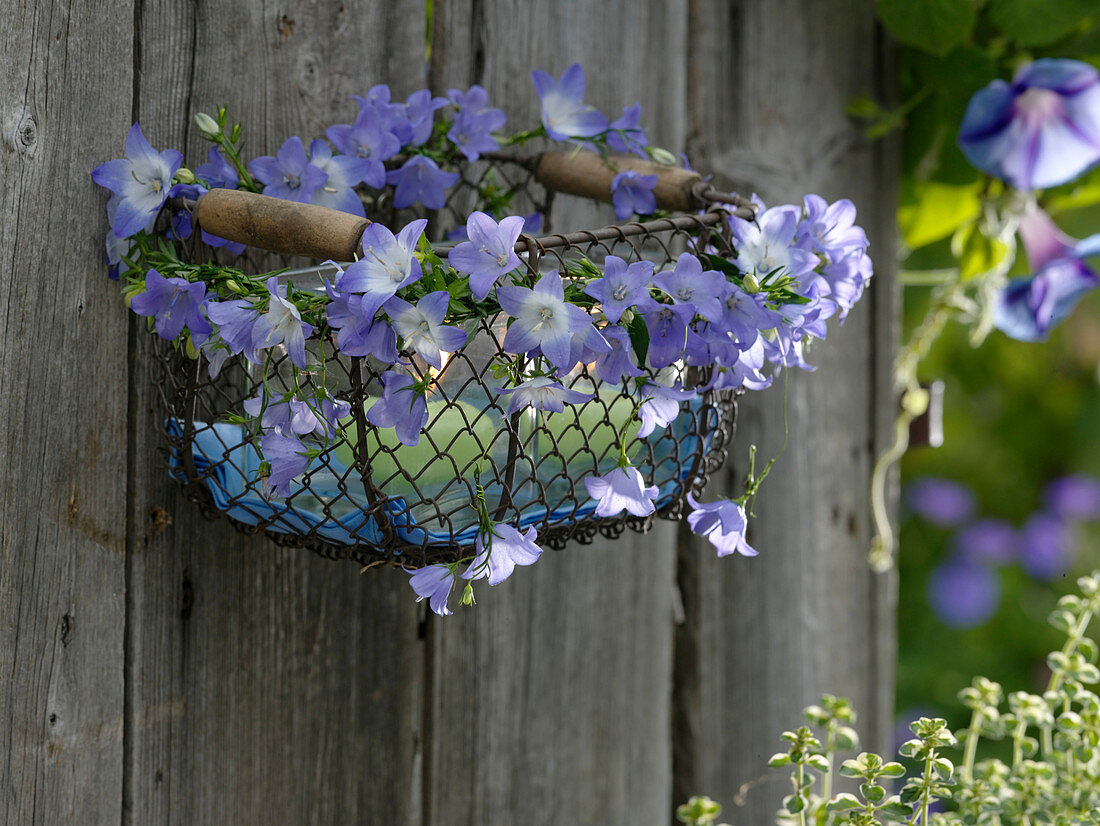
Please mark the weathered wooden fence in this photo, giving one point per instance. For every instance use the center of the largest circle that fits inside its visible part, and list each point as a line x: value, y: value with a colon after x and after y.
x: 159, y: 668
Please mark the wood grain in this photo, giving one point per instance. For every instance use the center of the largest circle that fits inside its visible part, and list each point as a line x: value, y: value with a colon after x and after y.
x: 63, y: 379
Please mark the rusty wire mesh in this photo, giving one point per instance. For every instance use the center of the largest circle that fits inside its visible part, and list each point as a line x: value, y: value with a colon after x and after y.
x: 369, y: 498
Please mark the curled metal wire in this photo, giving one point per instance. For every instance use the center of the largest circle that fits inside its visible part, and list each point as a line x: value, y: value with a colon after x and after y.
x: 368, y: 498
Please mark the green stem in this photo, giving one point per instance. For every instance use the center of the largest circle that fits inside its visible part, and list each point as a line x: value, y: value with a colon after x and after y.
x: 971, y: 751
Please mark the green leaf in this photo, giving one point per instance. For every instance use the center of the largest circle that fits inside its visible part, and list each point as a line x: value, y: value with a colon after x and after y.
x: 977, y: 253
x: 932, y: 211
x: 896, y: 811
x: 893, y: 770
x: 779, y: 760
x: 842, y: 802
x: 639, y: 337
x: 1040, y: 22
x: 872, y: 793
x: 935, y: 26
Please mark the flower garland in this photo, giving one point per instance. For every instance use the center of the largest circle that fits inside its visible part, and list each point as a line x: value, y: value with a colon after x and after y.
x: 795, y: 267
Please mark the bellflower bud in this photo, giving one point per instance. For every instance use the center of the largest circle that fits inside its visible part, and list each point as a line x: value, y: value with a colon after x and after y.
x: 207, y: 126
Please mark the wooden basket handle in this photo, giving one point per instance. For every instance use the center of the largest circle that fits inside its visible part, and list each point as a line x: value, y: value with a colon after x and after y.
x: 587, y: 174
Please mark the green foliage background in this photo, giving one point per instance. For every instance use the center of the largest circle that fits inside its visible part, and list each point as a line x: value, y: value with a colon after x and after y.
x: 1017, y: 415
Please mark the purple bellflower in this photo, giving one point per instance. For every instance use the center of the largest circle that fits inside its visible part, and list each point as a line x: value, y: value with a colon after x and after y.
x: 667, y: 325
x: 139, y: 183
x: 689, y: 284
x: 368, y: 140
x: 744, y: 315
x: 632, y: 192
x: 1041, y: 130
x: 401, y: 407
x: 765, y: 245
x: 419, y: 179
x: 235, y: 319
x: 1028, y: 308
x: 621, y: 489
x: 723, y: 523
x: 175, y: 303
x: 619, y: 360
x: 498, y: 556
x: 543, y: 394
x: 422, y: 327
x: 544, y: 320
x: 434, y: 583
x: 387, y: 265
x: 661, y: 406
x: 287, y: 458
x: 474, y: 122
x: 281, y: 324
x: 419, y: 113
x: 564, y: 114
x: 625, y: 135
x: 344, y: 172
x: 489, y: 253
x: 289, y: 174
x: 830, y: 228
x: 217, y: 172
x: 359, y: 334
x: 299, y: 417
x: 622, y: 286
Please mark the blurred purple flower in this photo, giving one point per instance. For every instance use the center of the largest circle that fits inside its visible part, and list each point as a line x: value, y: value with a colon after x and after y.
x: 434, y: 583
x: 564, y: 114
x: 506, y: 549
x: 940, y: 501
x: 420, y: 113
x: 987, y: 540
x: 625, y: 135
x: 964, y: 594
x: 217, y: 171
x: 1046, y: 546
x: 289, y: 174
x: 139, y: 183
x: 1074, y: 497
x: 474, y: 122
x: 632, y: 192
x: 419, y: 179
x: 622, y: 488
x: 1041, y: 130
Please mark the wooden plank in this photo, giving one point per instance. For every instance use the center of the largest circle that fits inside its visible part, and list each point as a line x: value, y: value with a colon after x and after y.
x: 767, y: 636
x: 550, y: 699
x: 63, y: 378
x: 267, y: 685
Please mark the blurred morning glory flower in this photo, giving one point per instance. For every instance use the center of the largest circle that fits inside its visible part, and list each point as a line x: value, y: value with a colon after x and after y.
x: 1028, y: 308
x: 987, y: 540
x: 1074, y: 497
x: 1041, y: 130
x: 289, y: 174
x: 621, y: 489
x: 1046, y: 546
x: 434, y: 583
x: 139, y: 183
x: 940, y: 501
x: 964, y: 594
x: 563, y: 113
x: 506, y: 549
x: 632, y: 192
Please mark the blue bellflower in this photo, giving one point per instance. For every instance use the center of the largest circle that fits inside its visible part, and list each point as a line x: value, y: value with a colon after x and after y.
x: 175, y: 303
x: 619, y: 360
x: 499, y: 554
x: 632, y: 192
x: 368, y: 140
x: 1041, y: 130
x: 235, y: 319
x: 359, y: 334
x: 422, y: 328
x: 217, y: 171
x: 545, y: 321
x: 287, y: 458
x: 344, y: 172
x: 281, y: 324
x: 489, y: 253
x: 690, y: 285
x: 622, y: 287
x: 723, y: 523
x: 661, y: 406
x: 387, y: 265
x: 401, y: 407
x: 139, y: 183
x: 765, y: 245
x: 289, y: 174
x: 543, y: 394
x: 621, y: 489
x: 419, y: 179
x: 625, y: 135
x: 564, y: 114
x: 434, y: 583
x: 474, y: 122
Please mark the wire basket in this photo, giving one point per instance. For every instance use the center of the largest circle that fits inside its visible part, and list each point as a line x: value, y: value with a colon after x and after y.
x: 369, y: 498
